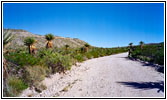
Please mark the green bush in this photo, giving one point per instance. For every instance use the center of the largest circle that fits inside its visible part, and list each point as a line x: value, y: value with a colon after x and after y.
x: 79, y: 57
x: 95, y: 54
x: 66, y: 62
x: 88, y: 55
x: 33, y: 75
x: 136, y: 53
x: 144, y: 58
x: 108, y: 51
x: 15, y: 86
x: 57, y: 62
x: 151, y: 53
x: 44, y: 52
x: 159, y: 57
x: 22, y: 59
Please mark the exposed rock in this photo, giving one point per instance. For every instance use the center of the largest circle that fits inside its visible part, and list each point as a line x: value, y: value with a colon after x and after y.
x: 20, y: 35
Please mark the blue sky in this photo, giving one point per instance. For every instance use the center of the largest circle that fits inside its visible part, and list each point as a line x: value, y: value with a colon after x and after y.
x: 99, y: 24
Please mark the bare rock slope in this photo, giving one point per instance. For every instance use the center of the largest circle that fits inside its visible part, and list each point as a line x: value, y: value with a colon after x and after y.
x: 20, y: 35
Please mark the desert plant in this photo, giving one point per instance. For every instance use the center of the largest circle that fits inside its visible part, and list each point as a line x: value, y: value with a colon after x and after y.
x: 86, y: 47
x: 79, y: 57
x: 130, y: 49
x: 67, y: 46
x: 131, y: 44
x: 153, y: 53
x: 33, y: 75
x: 33, y: 47
x: 159, y: 56
x: 66, y: 62
x: 57, y: 62
x: 44, y: 52
x: 15, y: 86
x: 88, y: 55
x: 49, y: 37
x: 82, y: 50
x: 7, y: 37
x: 28, y: 42
x: 21, y: 59
x: 141, y: 44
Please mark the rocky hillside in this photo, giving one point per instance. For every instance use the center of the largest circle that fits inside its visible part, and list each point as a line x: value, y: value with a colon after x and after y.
x: 20, y: 35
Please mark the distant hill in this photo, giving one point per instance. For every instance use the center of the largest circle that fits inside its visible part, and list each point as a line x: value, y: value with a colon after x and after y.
x: 20, y: 35
x: 155, y: 43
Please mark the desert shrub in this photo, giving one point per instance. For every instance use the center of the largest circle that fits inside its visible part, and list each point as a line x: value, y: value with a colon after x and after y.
x: 44, y: 52
x: 43, y: 87
x: 108, y: 51
x: 22, y: 59
x: 82, y: 50
x: 151, y: 53
x: 40, y: 87
x: 52, y: 61
x: 66, y: 62
x: 95, y: 53
x: 34, y: 75
x: 79, y: 57
x: 57, y: 62
x: 144, y: 58
x: 15, y: 86
x: 136, y: 53
x: 66, y: 52
x: 88, y: 55
x: 159, y: 57
x: 102, y: 53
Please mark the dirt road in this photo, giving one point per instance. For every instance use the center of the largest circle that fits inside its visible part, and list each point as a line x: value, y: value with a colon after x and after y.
x: 110, y: 76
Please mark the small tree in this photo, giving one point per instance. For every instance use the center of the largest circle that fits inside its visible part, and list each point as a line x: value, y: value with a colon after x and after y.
x: 87, y: 47
x: 49, y: 37
x: 141, y: 44
x: 29, y: 41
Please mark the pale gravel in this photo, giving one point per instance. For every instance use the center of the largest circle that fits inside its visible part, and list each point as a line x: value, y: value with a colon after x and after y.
x: 100, y: 77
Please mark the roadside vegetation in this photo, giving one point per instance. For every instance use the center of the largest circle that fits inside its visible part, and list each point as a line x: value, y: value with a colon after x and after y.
x: 27, y: 67
x: 152, y: 53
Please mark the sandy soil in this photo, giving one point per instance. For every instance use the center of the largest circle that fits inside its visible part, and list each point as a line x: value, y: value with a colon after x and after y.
x: 110, y: 76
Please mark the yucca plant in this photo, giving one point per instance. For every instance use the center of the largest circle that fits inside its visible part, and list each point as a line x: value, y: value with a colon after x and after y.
x: 130, y: 48
x: 29, y: 41
x: 87, y: 47
x: 131, y: 44
x: 141, y: 44
x: 7, y: 37
x: 49, y: 37
x: 67, y: 46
